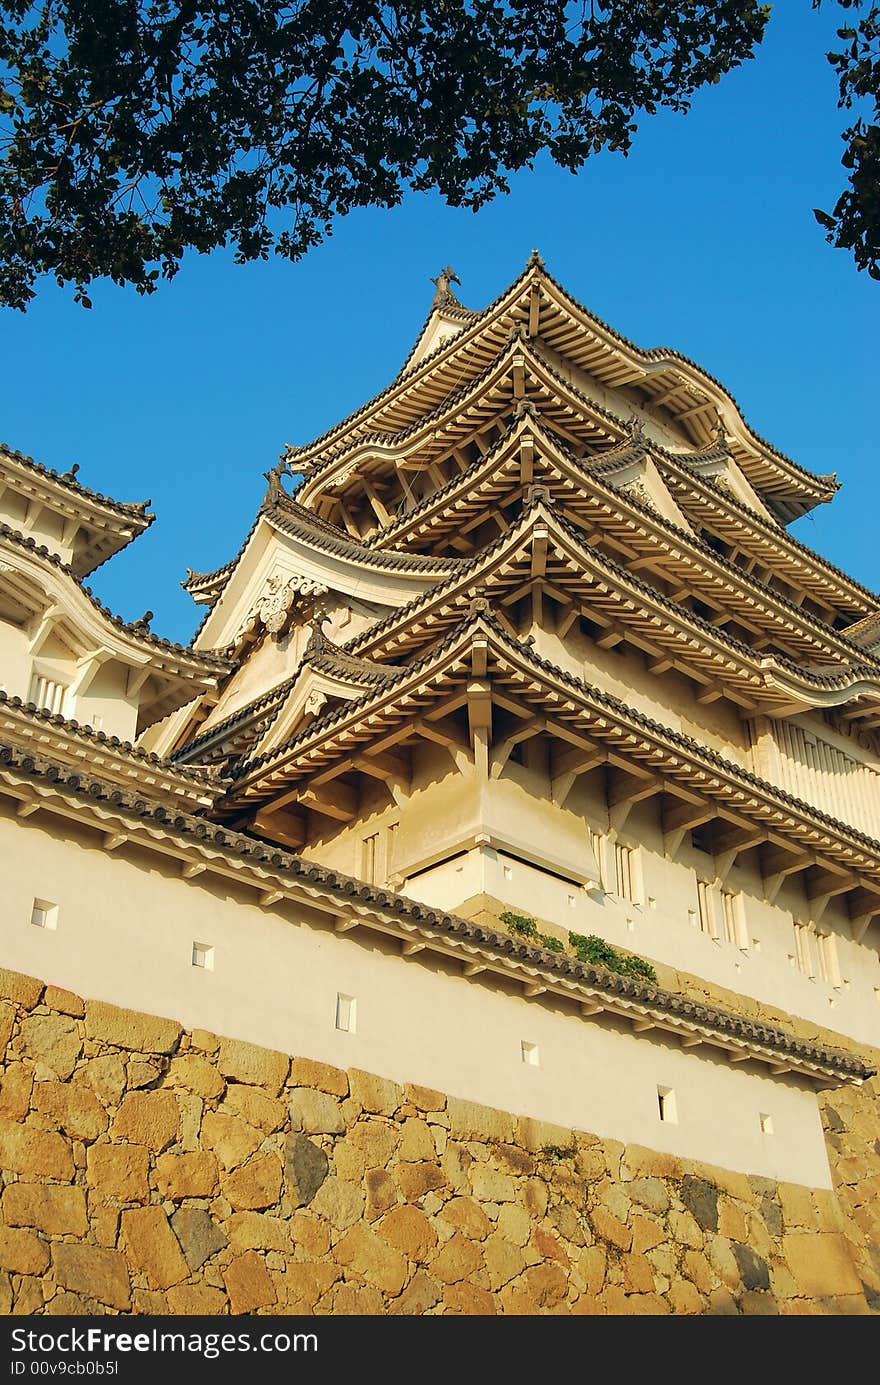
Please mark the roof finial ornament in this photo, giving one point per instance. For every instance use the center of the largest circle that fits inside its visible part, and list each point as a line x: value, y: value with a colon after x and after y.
x: 636, y: 429
x: 720, y: 433
x: 143, y: 625
x: 273, y: 476
x: 70, y: 475
x: 444, y: 293
x: 317, y: 639
x: 535, y: 261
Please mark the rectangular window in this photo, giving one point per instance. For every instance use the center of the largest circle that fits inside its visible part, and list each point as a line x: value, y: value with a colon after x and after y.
x: 666, y: 1105
x: 624, y: 870
x: 44, y: 914
x: 706, y: 910
x: 346, y: 1013
x: 530, y: 1054
x: 203, y: 956
x: 47, y: 694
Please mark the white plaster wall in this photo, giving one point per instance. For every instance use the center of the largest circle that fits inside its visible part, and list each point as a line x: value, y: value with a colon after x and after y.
x: 15, y: 660
x: 125, y: 933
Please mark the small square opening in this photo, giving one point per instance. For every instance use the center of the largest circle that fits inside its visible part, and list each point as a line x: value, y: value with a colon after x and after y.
x: 530, y: 1054
x: 666, y: 1105
x: 766, y: 1123
x: 44, y: 914
x: 203, y: 956
x: 346, y: 1013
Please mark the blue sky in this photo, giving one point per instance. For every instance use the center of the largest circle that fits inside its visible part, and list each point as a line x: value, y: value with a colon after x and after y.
x: 702, y: 239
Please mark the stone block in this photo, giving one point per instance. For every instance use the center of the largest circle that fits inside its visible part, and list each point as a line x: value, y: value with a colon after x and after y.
x: 416, y: 1141
x: 47, y: 1207
x: 198, y: 1234
x: 16, y: 1083
x: 106, y: 1076
x: 186, y: 1175
x: 66, y: 1002
x: 52, y: 1042
x: 381, y: 1191
x: 377, y: 1141
x: 305, y: 1072
x: 148, y: 1118
x: 362, y: 1251
x: 470, y: 1121
x: 196, y: 1300
x: 409, y: 1231
x: 650, y: 1193
x: 35, y: 1153
x: 503, y: 1260
x: 377, y: 1095
x: 315, y: 1113
x: 469, y: 1218
x: 420, y: 1294
x: 258, y: 1067
x: 611, y: 1228
x: 248, y: 1282
x: 540, y: 1136
x: 254, y: 1107
x: 310, y: 1234
x: 21, y: 1252
x: 257, y: 1231
x: 341, y: 1203
x: 456, y: 1260
x: 119, y: 1171
x: 231, y: 1139
x: 468, y: 1300
x: 491, y: 1186
x: 93, y: 1271
x: 305, y: 1168
x: 821, y: 1263
x: 700, y: 1197
x: 256, y: 1184
x: 22, y: 990
x: 110, y: 1024
x: 415, y: 1180
x: 71, y: 1107
x: 195, y: 1074
x: 153, y: 1247
x: 424, y: 1098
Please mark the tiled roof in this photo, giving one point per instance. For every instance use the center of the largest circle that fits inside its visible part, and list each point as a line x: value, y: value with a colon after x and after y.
x: 211, y: 662
x: 350, y: 892
x: 132, y: 510
x: 84, y: 732
x: 694, y: 750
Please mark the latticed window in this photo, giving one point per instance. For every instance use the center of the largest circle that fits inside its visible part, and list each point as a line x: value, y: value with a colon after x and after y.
x: 816, y: 954
x: 707, y: 912
x: 732, y: 917
x: 625, y: 872
x: 46, y: 693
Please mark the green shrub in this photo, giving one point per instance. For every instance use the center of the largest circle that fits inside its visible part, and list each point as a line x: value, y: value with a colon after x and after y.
x: 520, y: 923
x: 600, y: 953
x: 551, y: 944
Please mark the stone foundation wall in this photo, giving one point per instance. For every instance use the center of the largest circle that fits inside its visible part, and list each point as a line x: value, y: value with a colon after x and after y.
x: 147, y: 1169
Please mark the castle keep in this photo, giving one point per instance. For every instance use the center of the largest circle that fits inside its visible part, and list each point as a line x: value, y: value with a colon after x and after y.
x: 481, y: 913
